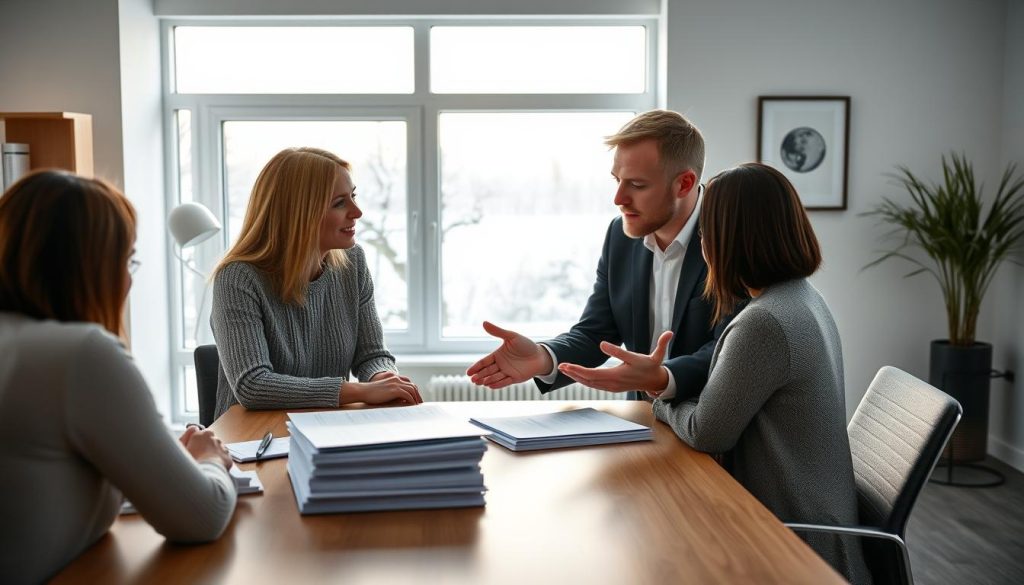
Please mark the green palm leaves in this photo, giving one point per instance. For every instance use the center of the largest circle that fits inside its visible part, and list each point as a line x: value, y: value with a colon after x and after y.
x: 945, y: 221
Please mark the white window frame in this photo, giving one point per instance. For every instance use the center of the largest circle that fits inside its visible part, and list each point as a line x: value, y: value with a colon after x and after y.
x: 421, y: 110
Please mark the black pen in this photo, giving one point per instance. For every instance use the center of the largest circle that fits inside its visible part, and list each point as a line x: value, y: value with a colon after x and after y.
x: 264, y: 445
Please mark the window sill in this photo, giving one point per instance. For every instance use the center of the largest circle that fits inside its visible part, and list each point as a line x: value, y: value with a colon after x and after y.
x: 438, y: 360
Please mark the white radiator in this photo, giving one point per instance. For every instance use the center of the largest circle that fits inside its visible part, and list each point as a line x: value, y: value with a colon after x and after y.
x: 458, y: 388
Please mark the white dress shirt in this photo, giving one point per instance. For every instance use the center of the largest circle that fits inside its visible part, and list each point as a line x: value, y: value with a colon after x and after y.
x: 665, y: 272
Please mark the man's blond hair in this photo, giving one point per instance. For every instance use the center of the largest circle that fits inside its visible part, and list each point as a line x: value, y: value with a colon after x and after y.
x: 680, y: 143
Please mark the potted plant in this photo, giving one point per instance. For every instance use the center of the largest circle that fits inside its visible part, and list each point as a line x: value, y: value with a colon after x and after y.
x: 962, y: 249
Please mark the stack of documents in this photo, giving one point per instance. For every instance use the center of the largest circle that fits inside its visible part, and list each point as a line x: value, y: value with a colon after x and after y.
x: 412, y: 457
x: 571, y: 428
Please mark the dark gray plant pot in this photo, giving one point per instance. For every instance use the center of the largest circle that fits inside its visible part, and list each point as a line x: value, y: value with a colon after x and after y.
x: 963, y: 372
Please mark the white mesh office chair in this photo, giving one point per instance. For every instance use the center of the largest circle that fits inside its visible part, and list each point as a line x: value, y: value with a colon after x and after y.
x: 896, y: 437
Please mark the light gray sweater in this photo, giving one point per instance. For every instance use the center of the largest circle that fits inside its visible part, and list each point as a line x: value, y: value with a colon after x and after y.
x: 78, y: 427
x: 278, y: 355
x: 775, y: 402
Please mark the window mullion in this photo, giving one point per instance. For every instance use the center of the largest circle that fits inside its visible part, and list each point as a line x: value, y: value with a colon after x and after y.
x: 421, y: 176
x: 431, y: 301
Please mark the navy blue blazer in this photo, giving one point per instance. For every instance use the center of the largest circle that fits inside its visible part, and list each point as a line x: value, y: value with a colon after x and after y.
x: 618, y: 311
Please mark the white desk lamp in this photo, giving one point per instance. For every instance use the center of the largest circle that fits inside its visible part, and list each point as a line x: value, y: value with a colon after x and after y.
x: 190, y: 224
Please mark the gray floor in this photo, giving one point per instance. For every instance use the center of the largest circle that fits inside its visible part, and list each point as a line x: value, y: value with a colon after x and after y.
x: 969, y: 535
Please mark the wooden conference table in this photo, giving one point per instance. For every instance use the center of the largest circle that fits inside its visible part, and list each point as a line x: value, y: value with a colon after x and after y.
x: 651, y: 512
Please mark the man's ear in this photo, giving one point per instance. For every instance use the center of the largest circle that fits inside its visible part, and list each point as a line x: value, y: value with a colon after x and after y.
x: 684, y: 182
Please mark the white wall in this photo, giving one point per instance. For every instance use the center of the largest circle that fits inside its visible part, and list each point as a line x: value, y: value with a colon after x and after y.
x: 1006, y: 438
x: 141, y: 96
x: 924, y: 77
x: 61, y: 55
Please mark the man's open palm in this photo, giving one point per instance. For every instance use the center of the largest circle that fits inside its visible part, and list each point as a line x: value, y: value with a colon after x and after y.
x: 517, y: 360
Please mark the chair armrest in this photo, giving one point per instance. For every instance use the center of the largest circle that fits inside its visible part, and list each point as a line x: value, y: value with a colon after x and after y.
x: 849, y: 530
x: 908, y: 576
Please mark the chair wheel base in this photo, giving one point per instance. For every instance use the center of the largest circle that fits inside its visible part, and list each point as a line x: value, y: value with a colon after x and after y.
x: 996, y: 476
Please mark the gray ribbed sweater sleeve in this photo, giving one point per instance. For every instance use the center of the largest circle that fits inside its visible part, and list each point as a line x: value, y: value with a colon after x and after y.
x: 371, y: 355
x: 275, y: 355
x: 113, y: 423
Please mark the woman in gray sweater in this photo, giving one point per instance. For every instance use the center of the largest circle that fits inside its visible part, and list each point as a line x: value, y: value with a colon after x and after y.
x: 293, y: 312
x: 774, y: 400
x: 78, y: 426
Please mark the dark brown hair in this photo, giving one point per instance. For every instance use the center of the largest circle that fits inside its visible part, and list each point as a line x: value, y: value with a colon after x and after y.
x: 755, y: 233
x: 65, y: 242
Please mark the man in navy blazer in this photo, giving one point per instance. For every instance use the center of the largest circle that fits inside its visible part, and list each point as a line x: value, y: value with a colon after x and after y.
x: 650, y: 281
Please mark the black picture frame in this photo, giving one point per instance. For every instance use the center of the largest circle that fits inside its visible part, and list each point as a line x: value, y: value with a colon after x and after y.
x: 807, y: 138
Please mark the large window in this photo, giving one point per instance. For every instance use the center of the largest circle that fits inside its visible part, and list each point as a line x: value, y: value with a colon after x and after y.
x: 293, y: 59
x: 476, y: 147
x: 521, y: 220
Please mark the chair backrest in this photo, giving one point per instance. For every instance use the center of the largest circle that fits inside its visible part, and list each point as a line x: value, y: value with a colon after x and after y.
x: 207, y: 363
x: 896, y: 437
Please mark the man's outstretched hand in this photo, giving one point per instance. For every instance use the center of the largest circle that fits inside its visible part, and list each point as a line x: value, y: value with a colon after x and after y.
x: 637, y: 371
x: 517, y: 360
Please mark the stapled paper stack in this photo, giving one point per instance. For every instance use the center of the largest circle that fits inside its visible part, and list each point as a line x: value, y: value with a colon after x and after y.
x: 570, y: 428
x: 413, y: 457
x: 246, y: 482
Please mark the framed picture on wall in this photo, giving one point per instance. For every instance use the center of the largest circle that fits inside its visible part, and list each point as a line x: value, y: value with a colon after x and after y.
x: 807, y: 138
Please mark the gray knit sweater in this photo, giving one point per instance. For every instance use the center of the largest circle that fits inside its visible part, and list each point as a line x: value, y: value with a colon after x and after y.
x: 775, y: 401
x: 277, y: 355
x: 79, y: 428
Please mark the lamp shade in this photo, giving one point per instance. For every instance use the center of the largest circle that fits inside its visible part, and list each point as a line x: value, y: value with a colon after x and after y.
x: 191, y: 223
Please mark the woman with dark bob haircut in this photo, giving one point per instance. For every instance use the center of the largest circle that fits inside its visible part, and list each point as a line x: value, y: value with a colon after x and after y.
x: 78, y: 426
x: 774, y: 400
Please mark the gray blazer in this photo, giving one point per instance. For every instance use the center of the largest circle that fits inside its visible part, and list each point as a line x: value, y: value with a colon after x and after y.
x: 774, y: 402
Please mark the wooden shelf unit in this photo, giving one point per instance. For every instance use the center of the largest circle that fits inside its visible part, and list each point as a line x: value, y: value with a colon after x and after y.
x: 56, y: 139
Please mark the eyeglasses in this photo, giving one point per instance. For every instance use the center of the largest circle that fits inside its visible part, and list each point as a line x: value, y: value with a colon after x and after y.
x: 133, y: 265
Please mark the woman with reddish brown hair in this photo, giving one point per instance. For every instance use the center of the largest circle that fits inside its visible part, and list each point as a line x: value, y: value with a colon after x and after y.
x: 774, y: 403
x: 78, y: 427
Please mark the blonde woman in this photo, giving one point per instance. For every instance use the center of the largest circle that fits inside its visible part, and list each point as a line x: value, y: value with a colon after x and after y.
x: 78, y: 427
x: 293, y: 311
